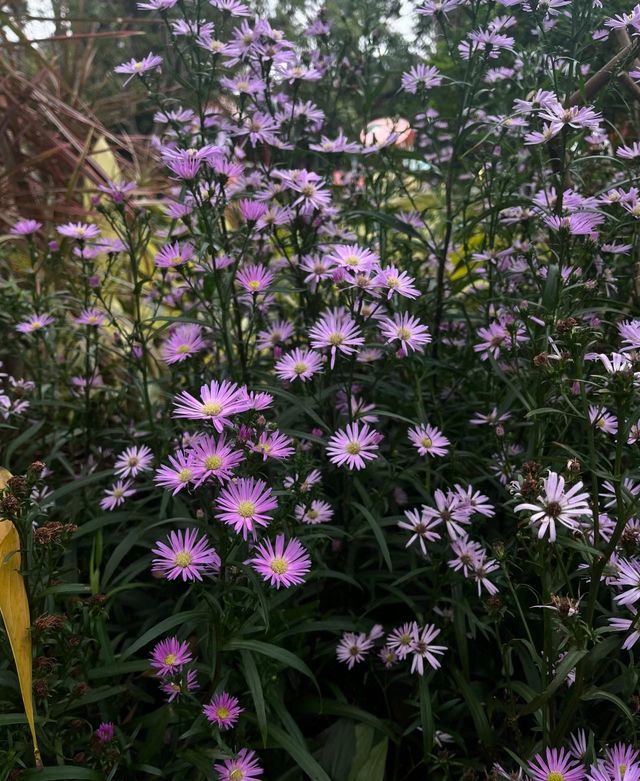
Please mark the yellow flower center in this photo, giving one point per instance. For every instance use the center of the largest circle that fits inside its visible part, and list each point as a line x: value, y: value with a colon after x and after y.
x: 393, y: 281
x: 138, y: 66
x: 211, y: 408
x: 312, y: 515
x: 299, y: 368
x: 183, y: 559
x: 236, y: 775
x: 170, y: 660
x: 353, y: 448
x: 36, y: 324
x: 117, y: 493
x: 213, y: 462
x: 279, y: 565
x: 555, y: 775
x: 246, y: 509
x: 254, y: 284
x: 184, y: 475
x: 176, y: 259
x: 622, y: 769
x: 426, y: 442
x: 133, y: 461
x: 308, y: 190
x: 222, y: 713
x: 404, y: 639
x: 336, y: 339
x: 351, y: 260
x: 263, y: 447
x: 184, y: 348
x: 404, y: 333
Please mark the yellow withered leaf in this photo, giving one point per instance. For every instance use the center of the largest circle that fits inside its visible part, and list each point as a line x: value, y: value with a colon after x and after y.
x: 14, y: 609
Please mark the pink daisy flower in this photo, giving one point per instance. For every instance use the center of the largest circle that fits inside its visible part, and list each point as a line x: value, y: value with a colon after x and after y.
x: 353, y: 446
x: 273, y: 445
x: 184, y: 556
x: 557, y: 505
x: 407, y: 329
x: 557, y: 764
x: 178, y: 475
x: 172, y: 255
x: 421, y: 528
x: 423, y: 648
x: 25, y: 227
x: 79, y: 230
x: 396, y: 282
x: 245, y: 504
x: 300, y: 365
x: 281, y: 565
x: 244, y: 767
x: 218, y: 402
x: 213, y: 457
x: 91, y: 317
x: 186, y: 683
x: 34, y: 323
x: 602, y: 419
x: 354, y: 258
x: 400, y: 640
x: 451, y: 509
x: 317, y: 512
x: 223, y: 710
x: 115, y: 496
x: 274, y: 334
x: 169, y: 656
x: 138, y: 67
x: 132, y: 461
x: 184, y: 341
x: 353, y: 648
x: 337, y: 333
x: 429, y: 440
x: 254, y: 279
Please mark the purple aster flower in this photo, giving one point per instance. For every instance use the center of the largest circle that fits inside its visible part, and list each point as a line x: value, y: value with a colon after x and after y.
x: 407, y: 330
x: 628, y: 575
x: 400, y: 639
x: 317, y: 512
x: 451, y: 509
x: 184, y: 556
x: 34, y: 323
x: 337, y: 145
x: 396, y: 282
x: 25, y: 227
x: 261, y: 128
x: 172, y: 255
x: 429, y: 440
x: 186, y: 683
x: 353, y: 446
x: 254, y: 278
x: 421, y: 528
x: 601, y: 418
x: 211, y: 457
x: 301, y: 364
x: 274, y: 334
x: 423, y: 648
x: 338, y: 333
x: 232, y: 7
x: 115, y: 496
x: 169, y: 656
x: 556, y: 504
x: 421, y: 77
x: 280, y: 564
x: 353, y: 648
x: 577, y: 224
x: 475, y: 501
x: 91, y: 317
x: 138, y: 67
x: 272, y: 444
x: 183, y: 342
x: 218, y: 402
x: 622, y: 762
x: 245, y: 504
x: 223, y: 710
x: 313, y: 196
x: 132, y: 461
x: 557, y: 765
x: 79, y: 230
x: 105, y: 732
x: 179, y: 474
x: 244, y: 767
x: 353, y: 258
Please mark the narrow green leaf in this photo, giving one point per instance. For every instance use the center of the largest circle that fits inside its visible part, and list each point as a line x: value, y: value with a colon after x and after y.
x: 273, y: 652
x: 377, y: 531
x: 255, y: 687
x: 426, y: 716
x: 299, y: 753
x: 476, y: 709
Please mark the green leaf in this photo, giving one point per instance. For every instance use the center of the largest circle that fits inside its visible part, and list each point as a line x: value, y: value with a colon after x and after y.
x: 255, y: 687
x: 299, y: 753
x: 377, y: 531
x: 563, y: 670
x: 370, y: 759
x: 273, y: 652
x: 160, y: 628
x: 608, y: 697
x: 426, y: 716
x: 62, y: 773
x: 476, y: 709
